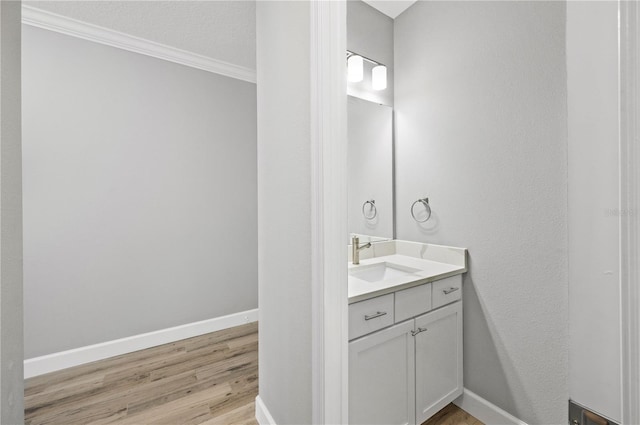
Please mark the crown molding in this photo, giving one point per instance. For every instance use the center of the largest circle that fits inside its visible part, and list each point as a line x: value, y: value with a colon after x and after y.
x: 68, y: 26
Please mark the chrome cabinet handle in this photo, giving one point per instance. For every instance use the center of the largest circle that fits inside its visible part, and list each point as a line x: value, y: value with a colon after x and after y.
x: 373, y: 316
x: 450, y: 290
x: 414, y: 333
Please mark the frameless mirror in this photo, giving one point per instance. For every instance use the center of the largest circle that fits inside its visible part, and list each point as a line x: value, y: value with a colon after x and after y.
x: 370, y: 174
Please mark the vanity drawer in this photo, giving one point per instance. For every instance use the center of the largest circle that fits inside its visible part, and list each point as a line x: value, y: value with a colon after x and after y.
x: 446, y: 291
x: 370, y: 315
x: 412, y: 302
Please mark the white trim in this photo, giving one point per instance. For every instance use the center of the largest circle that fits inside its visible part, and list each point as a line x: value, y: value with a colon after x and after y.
x: 485, y: 411
x: 263, y: 416
x: 328, y: 221
x: 69, y: 26
x: 11, y: 240
x: 91, y: 353
x: 629, y: 88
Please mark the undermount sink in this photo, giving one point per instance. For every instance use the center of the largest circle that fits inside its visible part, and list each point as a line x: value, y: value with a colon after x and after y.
x: 381, y: 271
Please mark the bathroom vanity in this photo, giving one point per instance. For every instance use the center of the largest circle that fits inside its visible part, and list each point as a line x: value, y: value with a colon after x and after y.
x: 405, y: 298
x: 405, y: 332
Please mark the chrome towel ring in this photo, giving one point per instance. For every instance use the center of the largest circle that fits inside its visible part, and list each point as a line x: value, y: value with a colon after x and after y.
x: 427, y: 207
x: 373, y: 211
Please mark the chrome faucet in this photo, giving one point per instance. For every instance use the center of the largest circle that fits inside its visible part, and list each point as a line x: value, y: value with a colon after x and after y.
x: 356, y: 248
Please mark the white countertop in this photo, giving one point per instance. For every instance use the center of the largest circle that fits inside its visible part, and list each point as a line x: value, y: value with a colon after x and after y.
x: 427, y: 271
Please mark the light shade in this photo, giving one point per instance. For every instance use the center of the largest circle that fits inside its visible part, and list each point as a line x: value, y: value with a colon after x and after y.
x: 379, y: 77
x: 355, y: 68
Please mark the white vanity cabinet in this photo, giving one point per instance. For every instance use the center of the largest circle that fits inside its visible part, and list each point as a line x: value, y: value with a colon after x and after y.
x: 438, y: 360
x: 382, y: 377
x: 405, y: 373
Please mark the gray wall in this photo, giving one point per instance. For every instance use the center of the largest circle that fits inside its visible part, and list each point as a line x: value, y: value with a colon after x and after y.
x: 594, y: 216
x: 370, y: 33
x: 139, y: 193
x: 480, y: 101
x: 11, y: 370
x: 284, y: 201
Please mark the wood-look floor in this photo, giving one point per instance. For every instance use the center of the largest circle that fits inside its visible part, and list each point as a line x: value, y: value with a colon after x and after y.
x: 210, y: 379
x: 452, y: 415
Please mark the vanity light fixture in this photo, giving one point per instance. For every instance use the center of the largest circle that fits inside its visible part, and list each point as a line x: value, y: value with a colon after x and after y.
x: 379, y: 77
x: 355, y: 70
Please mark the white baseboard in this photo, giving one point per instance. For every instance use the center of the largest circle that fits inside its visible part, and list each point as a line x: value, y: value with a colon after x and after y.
x: 91, y: 353
x: 481, y: 409
x: 262, y: 413
x: 485, y: 411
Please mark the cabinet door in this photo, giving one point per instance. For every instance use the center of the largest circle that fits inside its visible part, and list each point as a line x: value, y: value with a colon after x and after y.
x: 438, y: 360
x: 382, y: 377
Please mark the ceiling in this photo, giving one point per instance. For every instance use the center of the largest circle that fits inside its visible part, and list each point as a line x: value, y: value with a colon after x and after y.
x: 222, y: 30
x: 391, y: 8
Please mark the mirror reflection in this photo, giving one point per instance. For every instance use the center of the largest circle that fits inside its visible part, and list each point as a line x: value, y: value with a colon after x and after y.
x: 370, y: 164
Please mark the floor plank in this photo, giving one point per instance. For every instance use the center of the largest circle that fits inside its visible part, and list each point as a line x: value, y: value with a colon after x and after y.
x: 452, y: 415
